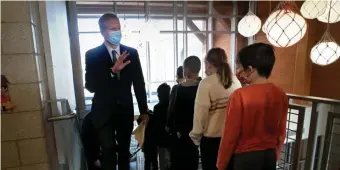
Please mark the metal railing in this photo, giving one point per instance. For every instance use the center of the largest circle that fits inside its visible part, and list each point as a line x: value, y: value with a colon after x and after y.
x: 313, y: 134
x: 332, y: 142
x: 291, y: 150
x: 312, y: 142
x: 67, y: 136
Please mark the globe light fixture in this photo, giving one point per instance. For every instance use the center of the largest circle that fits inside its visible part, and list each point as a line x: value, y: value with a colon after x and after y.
x: 264, y: 27
x: 332, y: 14
x: 326, y: 51
x: 311, y: 9
x: 249, y: 25
x: 285, y: 27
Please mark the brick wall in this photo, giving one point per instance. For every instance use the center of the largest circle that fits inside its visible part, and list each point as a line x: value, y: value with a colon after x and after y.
x: 23, y: 131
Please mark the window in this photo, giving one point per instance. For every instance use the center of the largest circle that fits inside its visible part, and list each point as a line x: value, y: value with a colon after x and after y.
x: 163, y: 40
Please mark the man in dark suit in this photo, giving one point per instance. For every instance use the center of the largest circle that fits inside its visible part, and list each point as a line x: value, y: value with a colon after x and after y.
x: 111, y: 70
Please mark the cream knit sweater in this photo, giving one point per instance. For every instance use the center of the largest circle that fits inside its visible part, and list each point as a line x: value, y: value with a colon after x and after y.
x: 210, y: 108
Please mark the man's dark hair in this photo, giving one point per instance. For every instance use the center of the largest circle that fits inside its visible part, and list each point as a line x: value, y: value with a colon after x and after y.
x: 259, y: 56
x: 179, y: 73
x: 163, y: 91
x: 193, y: 63
x: 104, y: 18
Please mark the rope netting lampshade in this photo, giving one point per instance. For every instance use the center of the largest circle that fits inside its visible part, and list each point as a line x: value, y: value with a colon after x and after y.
x: 249, y: 25
x: 332, y: 14
x: 311, y: 9
x: 264, y: 27
x: 326, y: 51
x: 285, y: 26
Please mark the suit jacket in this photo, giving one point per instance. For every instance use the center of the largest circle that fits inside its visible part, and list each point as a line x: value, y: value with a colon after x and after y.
x: 110, y: 91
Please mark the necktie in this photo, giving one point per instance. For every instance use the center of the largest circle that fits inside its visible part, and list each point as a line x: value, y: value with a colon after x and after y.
x: 114, y: 56
x: 114, y: 60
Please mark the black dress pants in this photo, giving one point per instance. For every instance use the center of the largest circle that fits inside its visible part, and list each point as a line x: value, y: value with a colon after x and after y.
x: 115, y: 139
x: 150, y: 157
x: 209, y: 152
x: 90, y: 142
x: 184, y: 154
x: 255, y: 160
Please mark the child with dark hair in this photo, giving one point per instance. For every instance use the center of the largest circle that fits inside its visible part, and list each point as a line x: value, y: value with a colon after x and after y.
x: 184, y: 153
x: 160, y: 112
x: 155, y: 135
x: 150, y: 144
x: 255, y: 124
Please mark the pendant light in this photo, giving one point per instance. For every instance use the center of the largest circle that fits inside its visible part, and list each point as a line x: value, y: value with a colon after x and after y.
x: 311, y: 9
x: 250, y: 24
x: 264, y: 27
x: 332, y: 14
x: 285, y: 26
x: 326, y: 51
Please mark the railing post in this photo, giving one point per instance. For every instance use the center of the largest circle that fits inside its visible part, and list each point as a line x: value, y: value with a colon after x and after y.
x: 312, y: 136
x: 328, y: 135
x: 298, y: 139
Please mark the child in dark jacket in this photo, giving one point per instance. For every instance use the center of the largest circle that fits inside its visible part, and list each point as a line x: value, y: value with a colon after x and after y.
x: 150, y: 144
x: 155, y: 135
x: 160, y: 113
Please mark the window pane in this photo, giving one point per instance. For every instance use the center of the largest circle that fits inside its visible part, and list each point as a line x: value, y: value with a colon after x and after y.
x: 200, y: 24
x: 153, y: 97
x: 162, y: 66
x: 132, y: 31
x: 162, y: 24
x: 180, y: 47
x: 179, y: 25
x: 88, y: 24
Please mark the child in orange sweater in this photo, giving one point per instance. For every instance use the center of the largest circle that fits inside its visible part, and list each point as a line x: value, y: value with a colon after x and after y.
x: 255, y: 124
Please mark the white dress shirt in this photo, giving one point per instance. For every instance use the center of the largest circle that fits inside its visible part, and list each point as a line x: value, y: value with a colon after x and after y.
x: 110, y: 49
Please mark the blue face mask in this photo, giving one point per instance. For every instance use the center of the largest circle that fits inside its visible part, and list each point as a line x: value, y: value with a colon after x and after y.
x: 115, y: 37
